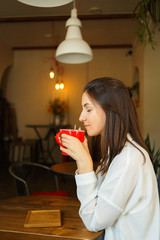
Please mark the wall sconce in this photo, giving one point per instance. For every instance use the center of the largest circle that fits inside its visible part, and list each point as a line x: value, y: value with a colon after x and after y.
x: 51, y: 73
x: 59, y: 85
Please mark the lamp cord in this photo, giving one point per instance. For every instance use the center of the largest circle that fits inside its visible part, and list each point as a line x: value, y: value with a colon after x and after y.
x: 74, y: 4
x: 79, y: 4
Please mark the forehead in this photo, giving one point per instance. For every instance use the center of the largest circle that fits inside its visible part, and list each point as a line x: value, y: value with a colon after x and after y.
x: 86, y: 99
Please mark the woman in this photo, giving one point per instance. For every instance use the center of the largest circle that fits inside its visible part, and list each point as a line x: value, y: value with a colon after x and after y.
x: 122, y: 196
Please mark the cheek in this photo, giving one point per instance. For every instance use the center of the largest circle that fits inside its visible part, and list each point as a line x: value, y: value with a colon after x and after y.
x: 102, y: 120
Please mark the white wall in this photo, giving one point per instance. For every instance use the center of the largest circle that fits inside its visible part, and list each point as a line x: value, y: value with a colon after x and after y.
x: 112, y: 63
x: 29, y: 87
x: 148, y: 62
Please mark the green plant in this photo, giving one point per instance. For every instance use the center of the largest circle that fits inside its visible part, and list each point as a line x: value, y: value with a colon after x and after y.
x: 146, y: 31
x: 155, y: 155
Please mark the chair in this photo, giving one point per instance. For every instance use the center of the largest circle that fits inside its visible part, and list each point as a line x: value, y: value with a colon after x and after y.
x: 19, y: 148
x: 34, y: 176
x: 18, y: 145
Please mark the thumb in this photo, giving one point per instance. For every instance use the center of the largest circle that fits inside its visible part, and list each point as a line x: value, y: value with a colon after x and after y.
x: 85, y: 142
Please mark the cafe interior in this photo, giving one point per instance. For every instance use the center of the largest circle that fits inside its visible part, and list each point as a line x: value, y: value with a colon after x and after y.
x: 43, y: 72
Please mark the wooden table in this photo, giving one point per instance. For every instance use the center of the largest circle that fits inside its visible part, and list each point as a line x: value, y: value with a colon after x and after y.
x: 13, y: 213
x: 67, y: 169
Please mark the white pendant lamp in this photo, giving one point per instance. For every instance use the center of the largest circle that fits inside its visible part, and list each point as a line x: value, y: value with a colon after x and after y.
x: 73, y: 49
x: 45, y: 3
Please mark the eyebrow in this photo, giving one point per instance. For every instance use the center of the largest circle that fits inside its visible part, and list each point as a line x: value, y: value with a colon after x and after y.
x: 86, y: 104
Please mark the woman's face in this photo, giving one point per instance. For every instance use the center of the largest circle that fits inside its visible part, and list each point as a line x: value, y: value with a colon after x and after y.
x: 92, y: 115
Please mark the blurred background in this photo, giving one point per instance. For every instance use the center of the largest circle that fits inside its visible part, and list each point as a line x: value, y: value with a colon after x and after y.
x: 29, y: 37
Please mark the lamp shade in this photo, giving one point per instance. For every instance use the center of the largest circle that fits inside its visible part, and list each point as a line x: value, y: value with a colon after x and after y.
x: 45, y: 3
x: 73, y: 49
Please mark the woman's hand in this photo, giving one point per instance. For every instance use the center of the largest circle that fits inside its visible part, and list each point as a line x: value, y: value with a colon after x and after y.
x: 78, y: 151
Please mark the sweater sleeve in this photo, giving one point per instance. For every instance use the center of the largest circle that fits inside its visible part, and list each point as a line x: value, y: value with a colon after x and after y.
x: 102, y: 205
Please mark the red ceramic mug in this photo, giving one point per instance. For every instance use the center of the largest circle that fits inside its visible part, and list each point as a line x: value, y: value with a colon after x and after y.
x: 75, y: 133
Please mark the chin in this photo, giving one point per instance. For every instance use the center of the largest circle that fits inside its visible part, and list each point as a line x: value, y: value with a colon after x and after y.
x: 91, y: 134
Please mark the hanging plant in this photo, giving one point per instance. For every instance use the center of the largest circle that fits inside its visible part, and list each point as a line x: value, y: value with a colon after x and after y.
x: 146, y: 31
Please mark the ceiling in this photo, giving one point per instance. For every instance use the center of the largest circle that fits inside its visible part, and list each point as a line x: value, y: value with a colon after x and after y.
x: 105, y: 23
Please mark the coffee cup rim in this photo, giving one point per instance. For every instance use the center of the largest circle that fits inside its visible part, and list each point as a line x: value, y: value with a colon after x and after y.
x: 72, y: 129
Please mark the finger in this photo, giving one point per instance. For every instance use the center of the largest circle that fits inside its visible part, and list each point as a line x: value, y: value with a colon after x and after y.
x: 65, y: 144
x: 66, y: 136
x: 85, y: 142
x: 64, y: 139
x: 85, y: 139
x: 64, y: 149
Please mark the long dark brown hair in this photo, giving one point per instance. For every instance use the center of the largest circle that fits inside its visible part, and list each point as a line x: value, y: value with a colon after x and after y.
x: 121, y: 117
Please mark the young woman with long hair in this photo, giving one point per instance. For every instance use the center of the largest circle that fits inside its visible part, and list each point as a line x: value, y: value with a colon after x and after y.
x: 121, y: 197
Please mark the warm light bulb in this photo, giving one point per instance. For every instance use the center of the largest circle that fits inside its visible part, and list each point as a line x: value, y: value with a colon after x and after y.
x: 51, y: 74
x: 61, y: 85
x: 57, y: 86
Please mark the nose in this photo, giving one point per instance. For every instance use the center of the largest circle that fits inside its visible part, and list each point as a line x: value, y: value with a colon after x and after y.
x: 81, y: 117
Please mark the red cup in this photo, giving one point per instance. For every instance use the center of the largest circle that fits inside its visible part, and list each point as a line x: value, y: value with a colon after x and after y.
x: 75, y: 133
